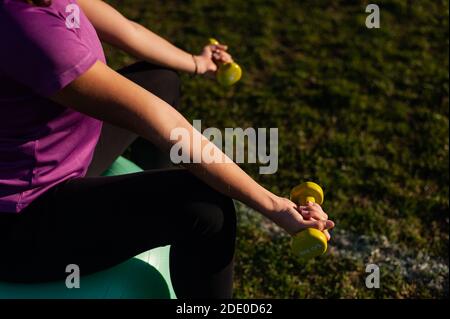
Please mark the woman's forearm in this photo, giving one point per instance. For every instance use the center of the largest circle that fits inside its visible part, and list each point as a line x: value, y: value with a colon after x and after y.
x: 104, y: 94
x: 151, y: 47
x: 113, y: 28
x: 224, y: 175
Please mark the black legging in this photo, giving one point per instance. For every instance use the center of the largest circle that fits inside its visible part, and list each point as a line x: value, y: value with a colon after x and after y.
x: 98, y: 222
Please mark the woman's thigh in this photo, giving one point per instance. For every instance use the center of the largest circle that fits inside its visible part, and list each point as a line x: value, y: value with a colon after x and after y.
x: 98, y: 222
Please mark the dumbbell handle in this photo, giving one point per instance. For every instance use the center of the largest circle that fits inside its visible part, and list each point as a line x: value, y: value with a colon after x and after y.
x: 309, y: 199
x: 228, y: 73
x: 309, y: 242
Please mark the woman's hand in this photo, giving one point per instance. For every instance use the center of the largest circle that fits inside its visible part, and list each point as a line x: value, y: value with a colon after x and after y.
x: 211, y: 57
x: 293, y: 218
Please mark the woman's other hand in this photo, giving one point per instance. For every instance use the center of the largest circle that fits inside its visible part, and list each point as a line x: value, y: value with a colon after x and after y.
x: 293, y: 218
x: 211, y: 58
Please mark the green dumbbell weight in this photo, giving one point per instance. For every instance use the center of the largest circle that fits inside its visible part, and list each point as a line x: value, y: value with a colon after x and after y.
x: 310, y: 242
x: 228, y: 73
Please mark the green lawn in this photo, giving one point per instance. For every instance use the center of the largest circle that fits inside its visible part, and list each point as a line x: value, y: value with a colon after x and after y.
x: 363, y: 112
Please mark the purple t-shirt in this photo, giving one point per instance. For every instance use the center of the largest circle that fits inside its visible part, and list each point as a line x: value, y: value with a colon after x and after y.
x: 41, y: 142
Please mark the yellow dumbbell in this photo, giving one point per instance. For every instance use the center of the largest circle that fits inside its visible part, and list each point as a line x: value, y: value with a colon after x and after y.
x: 310, y: 242
x: 228, y: 73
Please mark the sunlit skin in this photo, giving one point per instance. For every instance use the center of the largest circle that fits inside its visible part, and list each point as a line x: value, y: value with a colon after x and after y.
x: 132, y: 111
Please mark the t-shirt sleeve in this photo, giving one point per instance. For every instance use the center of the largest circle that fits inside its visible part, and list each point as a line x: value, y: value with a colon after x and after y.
x: 40, y: 51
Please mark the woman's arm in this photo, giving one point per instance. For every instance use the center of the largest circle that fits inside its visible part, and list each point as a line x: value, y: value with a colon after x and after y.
x: 106, y: 95
x: 113, y: 28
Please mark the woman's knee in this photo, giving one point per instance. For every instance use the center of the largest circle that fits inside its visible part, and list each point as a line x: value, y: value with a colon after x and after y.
x: 162, y: 82
x: 214, y: 218
x: 169, y: 85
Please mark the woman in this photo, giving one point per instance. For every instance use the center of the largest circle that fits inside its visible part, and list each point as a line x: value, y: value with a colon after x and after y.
x: 56, y: 91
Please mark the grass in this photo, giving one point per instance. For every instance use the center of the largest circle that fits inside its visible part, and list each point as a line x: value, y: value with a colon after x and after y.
x: 363, y: 112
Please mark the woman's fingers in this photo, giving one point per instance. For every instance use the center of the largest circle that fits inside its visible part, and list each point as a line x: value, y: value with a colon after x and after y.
x: 225, y: 57
x: 208, y: 51
x: 219, y: 47
x: 329, y: 224
x: 313, y: 210
x: 313, y: 223
x: 219, y: 53
x: 308, y: 214
x: 322, y: 224
x: 292, y: 218
x: 222, y: 56
x: 319, y: 224
x: 289, y: 216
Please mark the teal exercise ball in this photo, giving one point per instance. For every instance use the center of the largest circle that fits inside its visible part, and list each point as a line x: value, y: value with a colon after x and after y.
x: 146, y: 276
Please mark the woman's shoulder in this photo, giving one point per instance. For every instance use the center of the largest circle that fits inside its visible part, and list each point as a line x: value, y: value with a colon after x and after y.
x: 21, y: 13
x: 27, y: 21
x: 23, y: 7
x: 42, y: 51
